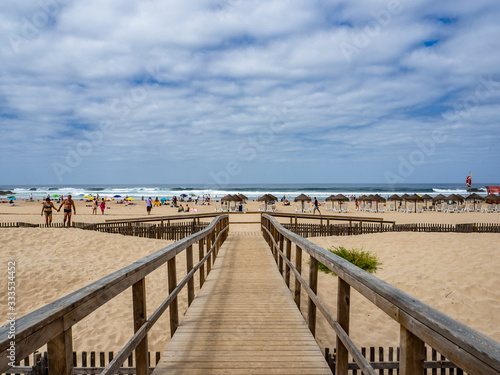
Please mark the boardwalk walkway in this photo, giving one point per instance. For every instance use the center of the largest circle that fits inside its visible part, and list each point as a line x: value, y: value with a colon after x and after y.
x: 243, y: 321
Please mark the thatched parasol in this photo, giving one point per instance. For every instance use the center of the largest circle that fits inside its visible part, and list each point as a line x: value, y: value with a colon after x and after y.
x: 454, y: 197
x: 394, y: 197
x: 439, y: 197
x: 265, y: 198
x: 331, y: 198
x: 272, y: 196
x: 341, y: 198
x: 426, y: 197
x: 491, y: 198
x: 229, y: 198
x: 474, y: 197
x: 302, y: 198
x: 242, y: 197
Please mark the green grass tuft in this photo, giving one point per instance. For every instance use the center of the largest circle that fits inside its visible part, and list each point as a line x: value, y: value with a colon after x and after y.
x: 363, y: 259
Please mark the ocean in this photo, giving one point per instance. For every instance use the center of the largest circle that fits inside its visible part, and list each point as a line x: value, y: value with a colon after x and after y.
x: 252, y: 191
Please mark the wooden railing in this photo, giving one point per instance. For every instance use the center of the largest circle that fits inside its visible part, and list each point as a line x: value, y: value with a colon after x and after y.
x: 52, y: 324
x: 472, y: 351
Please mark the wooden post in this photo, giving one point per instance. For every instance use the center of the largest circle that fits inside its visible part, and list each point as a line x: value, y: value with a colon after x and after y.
x: 209, y: 261
x: 281, y: 237
x: 289, y: 256
x: 201, y: 254
x: 172, y: 283
x: 140, y: 317
x: 189, y: 265
x: 298, y: 267
x: 313, y: 284
x: 60, y: 351
x: 412, y: 353
x: 343, y: 307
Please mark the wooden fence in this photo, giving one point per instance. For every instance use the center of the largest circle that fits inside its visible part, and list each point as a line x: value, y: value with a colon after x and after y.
x: 171, y: 231
x: 386, y: 361
x: 166, y: 231
x: 419, y: 323
x: 88, y: 363
x: 52, y: 324
x: 318, y: 230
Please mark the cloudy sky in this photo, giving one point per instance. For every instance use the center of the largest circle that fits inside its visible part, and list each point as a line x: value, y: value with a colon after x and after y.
x: 249, y: 91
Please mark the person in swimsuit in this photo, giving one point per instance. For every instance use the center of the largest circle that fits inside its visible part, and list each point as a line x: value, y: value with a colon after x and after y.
x: 47, y: 210
x: 94, y: 207
x: 103, y: 206
x: 68, y: 203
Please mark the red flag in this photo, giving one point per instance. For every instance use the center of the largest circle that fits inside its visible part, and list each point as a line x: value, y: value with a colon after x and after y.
x: 468, y: 180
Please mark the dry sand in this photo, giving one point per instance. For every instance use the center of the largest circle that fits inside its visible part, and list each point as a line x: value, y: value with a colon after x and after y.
x: 455, y: 273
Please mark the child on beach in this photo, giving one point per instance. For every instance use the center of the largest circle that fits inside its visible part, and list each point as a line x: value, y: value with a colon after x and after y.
x: 103, y: 206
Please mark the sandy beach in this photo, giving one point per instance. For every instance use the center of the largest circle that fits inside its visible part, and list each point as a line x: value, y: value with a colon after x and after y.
x: 453, y: 272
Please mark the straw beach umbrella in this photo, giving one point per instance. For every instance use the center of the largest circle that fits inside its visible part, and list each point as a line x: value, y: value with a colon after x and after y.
x: 378, y: 199
x: 474, y: 197
x: 302, y: 198
x: 439, y: 197
x: 242, y: 197
x: 414, y: 198
x: 491, y: 198
x: 272, y: 196
x: 426, y: 197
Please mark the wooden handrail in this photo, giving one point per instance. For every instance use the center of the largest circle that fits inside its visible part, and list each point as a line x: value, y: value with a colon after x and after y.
x: 52, y: 323
x: 420, y: 323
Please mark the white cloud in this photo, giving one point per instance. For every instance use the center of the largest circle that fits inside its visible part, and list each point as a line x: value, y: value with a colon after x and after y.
x: 196, y: 80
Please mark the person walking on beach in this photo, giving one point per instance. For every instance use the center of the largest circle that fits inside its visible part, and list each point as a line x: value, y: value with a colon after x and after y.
x: 149, y: 205
x: 103, y: 206
x: 316, y: 206
x: 47, y: 210
x: 94, y: 207
x: 67, y: 203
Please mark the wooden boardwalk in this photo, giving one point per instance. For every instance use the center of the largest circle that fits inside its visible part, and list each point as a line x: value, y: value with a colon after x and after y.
x: 243, y: 321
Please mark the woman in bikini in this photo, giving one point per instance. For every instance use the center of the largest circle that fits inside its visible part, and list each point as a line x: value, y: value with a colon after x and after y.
x: 47, y: 210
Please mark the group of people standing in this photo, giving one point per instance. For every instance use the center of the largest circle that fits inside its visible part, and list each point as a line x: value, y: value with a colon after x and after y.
x: 95, y: 204
x: 48, y: 206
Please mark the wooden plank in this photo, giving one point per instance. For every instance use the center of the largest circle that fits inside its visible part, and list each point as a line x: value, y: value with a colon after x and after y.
x: 343, y: 311
x: 298, y: 267
x: 172, y: 283
x: 60, y: 351
x: 243, y: 320
x: 412, y: 353
x: 189, y: 266
x: 140, y: 317
x: 313, y: 284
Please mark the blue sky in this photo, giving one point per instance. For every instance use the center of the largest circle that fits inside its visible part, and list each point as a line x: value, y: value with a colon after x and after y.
x: 227, y: 91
